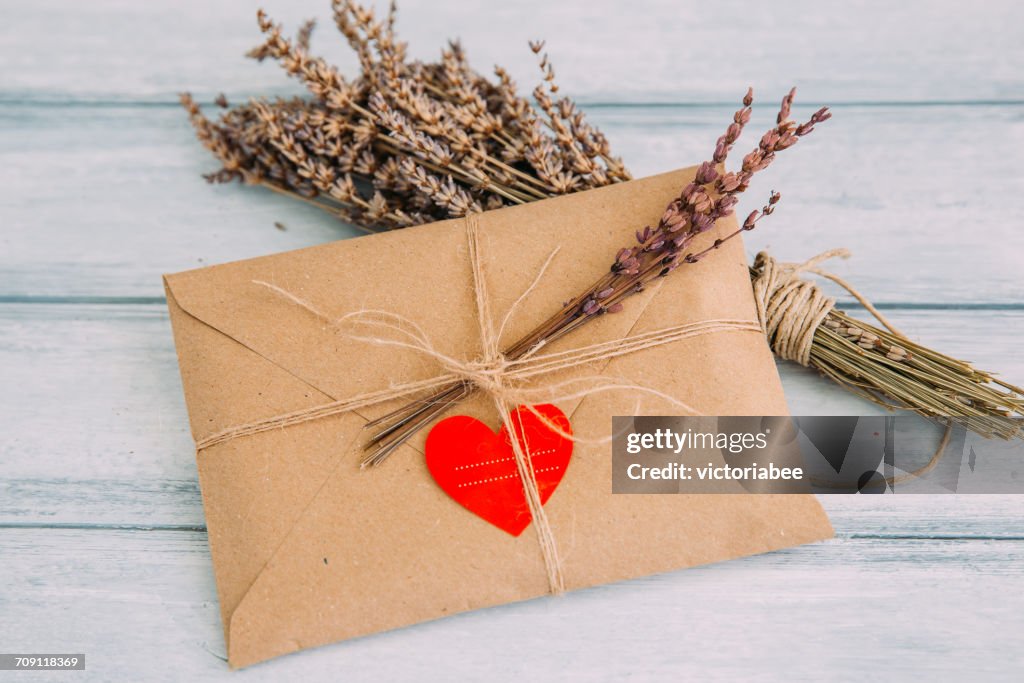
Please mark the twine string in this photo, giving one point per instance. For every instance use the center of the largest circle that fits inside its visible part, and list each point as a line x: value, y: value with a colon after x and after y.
x: 494, y: 364
x: 790, y: 308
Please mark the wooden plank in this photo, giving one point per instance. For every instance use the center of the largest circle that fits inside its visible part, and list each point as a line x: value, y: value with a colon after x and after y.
x: 648, y: 50
x: 48, y: 505
x: 100, y: 201
x: 143, y: 605
x: 96, y: 432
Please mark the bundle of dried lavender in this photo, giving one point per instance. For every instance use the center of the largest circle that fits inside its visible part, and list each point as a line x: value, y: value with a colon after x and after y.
x: 406, y: 142
x: 883, y: 366
x: 658, y: 251
x: 888, y: 369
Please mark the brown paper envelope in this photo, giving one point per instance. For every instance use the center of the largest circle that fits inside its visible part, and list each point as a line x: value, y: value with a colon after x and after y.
x: 309, y: 549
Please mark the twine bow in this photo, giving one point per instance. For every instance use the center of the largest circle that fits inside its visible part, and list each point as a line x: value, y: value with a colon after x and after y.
x: 505, y: 381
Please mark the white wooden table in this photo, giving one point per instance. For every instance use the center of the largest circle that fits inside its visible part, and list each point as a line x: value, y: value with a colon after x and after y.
x: 102, y: 543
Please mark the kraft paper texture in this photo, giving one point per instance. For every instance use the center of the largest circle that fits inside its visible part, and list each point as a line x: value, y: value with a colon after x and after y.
x: 309, y: 549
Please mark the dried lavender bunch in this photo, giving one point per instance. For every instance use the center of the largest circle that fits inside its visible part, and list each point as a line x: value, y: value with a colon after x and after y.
x: 406, y: 142
x: 885, y: 367
x: 658, y: 251
x: 897, y: 373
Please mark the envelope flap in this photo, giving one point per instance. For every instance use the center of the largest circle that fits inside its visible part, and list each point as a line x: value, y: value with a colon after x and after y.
x: 424, y: 276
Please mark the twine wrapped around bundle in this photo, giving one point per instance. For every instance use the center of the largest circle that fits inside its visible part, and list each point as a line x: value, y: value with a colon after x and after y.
x: 884, y: 366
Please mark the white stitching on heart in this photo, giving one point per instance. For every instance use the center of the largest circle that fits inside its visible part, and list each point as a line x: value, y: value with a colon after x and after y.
x: 506, y: 476
x: 491, y: 462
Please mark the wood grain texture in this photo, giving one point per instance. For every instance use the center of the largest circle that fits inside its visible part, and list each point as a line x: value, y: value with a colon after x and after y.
x: 143, y: 605
x: 646, y: 50
x: 102, y: 535
x: 100, y: 201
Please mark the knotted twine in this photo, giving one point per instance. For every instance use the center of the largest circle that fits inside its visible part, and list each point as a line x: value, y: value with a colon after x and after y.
x: 791, y: 308
x: 788, y: 312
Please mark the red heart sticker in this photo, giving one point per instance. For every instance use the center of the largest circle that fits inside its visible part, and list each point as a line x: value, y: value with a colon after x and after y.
x: 477, y: 468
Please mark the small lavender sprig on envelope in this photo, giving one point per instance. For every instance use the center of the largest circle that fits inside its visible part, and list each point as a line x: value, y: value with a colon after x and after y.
x: 658, y: 251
